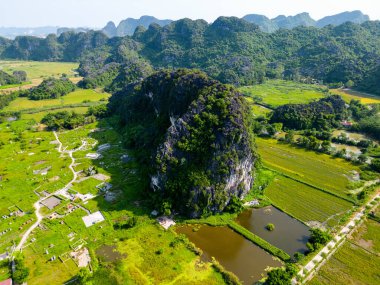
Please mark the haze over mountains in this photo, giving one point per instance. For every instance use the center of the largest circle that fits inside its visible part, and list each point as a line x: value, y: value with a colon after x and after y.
x: 129, y: 25
x: 304, y: 19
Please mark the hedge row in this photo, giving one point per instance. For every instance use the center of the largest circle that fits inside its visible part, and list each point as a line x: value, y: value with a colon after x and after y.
x: 259, y: 241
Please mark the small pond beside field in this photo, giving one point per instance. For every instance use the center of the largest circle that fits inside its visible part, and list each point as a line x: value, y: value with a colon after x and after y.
x: 238, y: 255
x: 109, y: 253
x: 289, y: 234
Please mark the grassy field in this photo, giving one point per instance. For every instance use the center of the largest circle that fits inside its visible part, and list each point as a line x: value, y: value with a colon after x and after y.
x: 79, y: 96
x: 319, y: 170
x: 275, y: 93
x: 349, y: 95
x: 150, y: 255
x: 87, y: 186
x: 24, y: 154
x: 356, y: 262
x: 305, y: 203
x: 37, y: 116
x: 39, y: 69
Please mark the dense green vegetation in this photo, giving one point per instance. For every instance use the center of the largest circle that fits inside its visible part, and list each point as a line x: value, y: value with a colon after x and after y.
x: 50, y: 88
x: 230, y: 50
x: 67, y: 47
x: 188, y: 171
x: 321, y: 115
x: 65, y: 120
x: 5, y: 99
x: 7, y: 79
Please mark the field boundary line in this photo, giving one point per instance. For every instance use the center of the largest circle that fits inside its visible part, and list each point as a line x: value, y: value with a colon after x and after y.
x: 310, y: 185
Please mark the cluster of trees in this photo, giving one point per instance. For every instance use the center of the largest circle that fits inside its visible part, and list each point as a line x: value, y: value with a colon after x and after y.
x: 66, y: 120
x: 21, y: 272
x: 50, y: 88
x: 317, y: 239
x: 282, y: 276
x: 323, y: 114
x: 17, y: 77
x: 230, y: 50
x: 5, y: 99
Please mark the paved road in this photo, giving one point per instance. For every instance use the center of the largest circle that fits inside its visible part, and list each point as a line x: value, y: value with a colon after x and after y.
x: 314, y: 265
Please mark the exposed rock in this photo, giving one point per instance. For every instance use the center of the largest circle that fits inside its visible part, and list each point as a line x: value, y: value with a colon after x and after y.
x: 205, y: 153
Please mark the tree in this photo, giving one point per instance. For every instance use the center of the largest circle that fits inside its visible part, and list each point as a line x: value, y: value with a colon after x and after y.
x: 349, y: 84
x: 270, y: 227
x: 289, y: 137
x: 362, y: 158
x: 326, y: 147
x: 375, y: 164
x: 235, y: 205
x: 20, y: 75
x: 317, y: 239
x: 21, y: 273
x: 281, y: 276
x: 83, y: 276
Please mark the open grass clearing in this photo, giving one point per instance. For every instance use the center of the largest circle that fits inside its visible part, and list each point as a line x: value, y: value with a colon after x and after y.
x: 305, y: 203
x: 39, y: 115
x: 76, y: 97
x: 349, y: 95
x: 320, y: 170
x: 275, y: 93
x: 29, y: 162
x: 40, y: 69
x: 87, y: 186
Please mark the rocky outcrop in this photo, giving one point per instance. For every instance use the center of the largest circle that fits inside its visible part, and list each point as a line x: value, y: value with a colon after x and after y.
x: 206, y: 154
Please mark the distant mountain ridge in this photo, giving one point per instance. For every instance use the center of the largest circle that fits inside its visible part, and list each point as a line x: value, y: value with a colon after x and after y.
x: 304, y: 19
x: 128, y: 26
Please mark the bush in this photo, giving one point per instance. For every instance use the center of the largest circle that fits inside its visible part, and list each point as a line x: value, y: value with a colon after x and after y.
x: 270, y: 227
x: 50, y: 88
x: 228, y: 277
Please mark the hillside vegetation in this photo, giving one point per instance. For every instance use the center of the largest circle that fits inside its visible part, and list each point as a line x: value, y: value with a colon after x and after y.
x: 231, y: 50
x: 197, y: 132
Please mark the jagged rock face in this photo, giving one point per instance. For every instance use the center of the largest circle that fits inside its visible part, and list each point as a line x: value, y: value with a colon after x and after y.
x: 205, y: 154
x: 229, y: 163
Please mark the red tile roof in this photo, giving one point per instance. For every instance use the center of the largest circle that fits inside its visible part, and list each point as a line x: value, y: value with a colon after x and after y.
x: 6, y: 282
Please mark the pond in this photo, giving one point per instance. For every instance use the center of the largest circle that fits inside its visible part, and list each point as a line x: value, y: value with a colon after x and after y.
x: 238, y: 255
x: 289, y: 234
x: 109, y: 253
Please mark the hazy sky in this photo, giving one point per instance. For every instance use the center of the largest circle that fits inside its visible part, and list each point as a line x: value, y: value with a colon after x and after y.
x: 96, y: 13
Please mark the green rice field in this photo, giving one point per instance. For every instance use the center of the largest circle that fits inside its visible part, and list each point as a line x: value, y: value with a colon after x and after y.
x: 319, y: 170
x: 77, y: 97
x: 305, y: 203
x: 275, y: 93
x: 40, y: 69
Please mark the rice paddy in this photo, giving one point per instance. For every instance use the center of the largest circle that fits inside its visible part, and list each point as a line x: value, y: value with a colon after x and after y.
x: 305, y: 203
x: 319, y: 170
x: 275, y: 93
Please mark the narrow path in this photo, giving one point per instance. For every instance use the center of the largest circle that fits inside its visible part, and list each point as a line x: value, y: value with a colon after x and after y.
x: 37, y: 205
x: 338, y: 240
